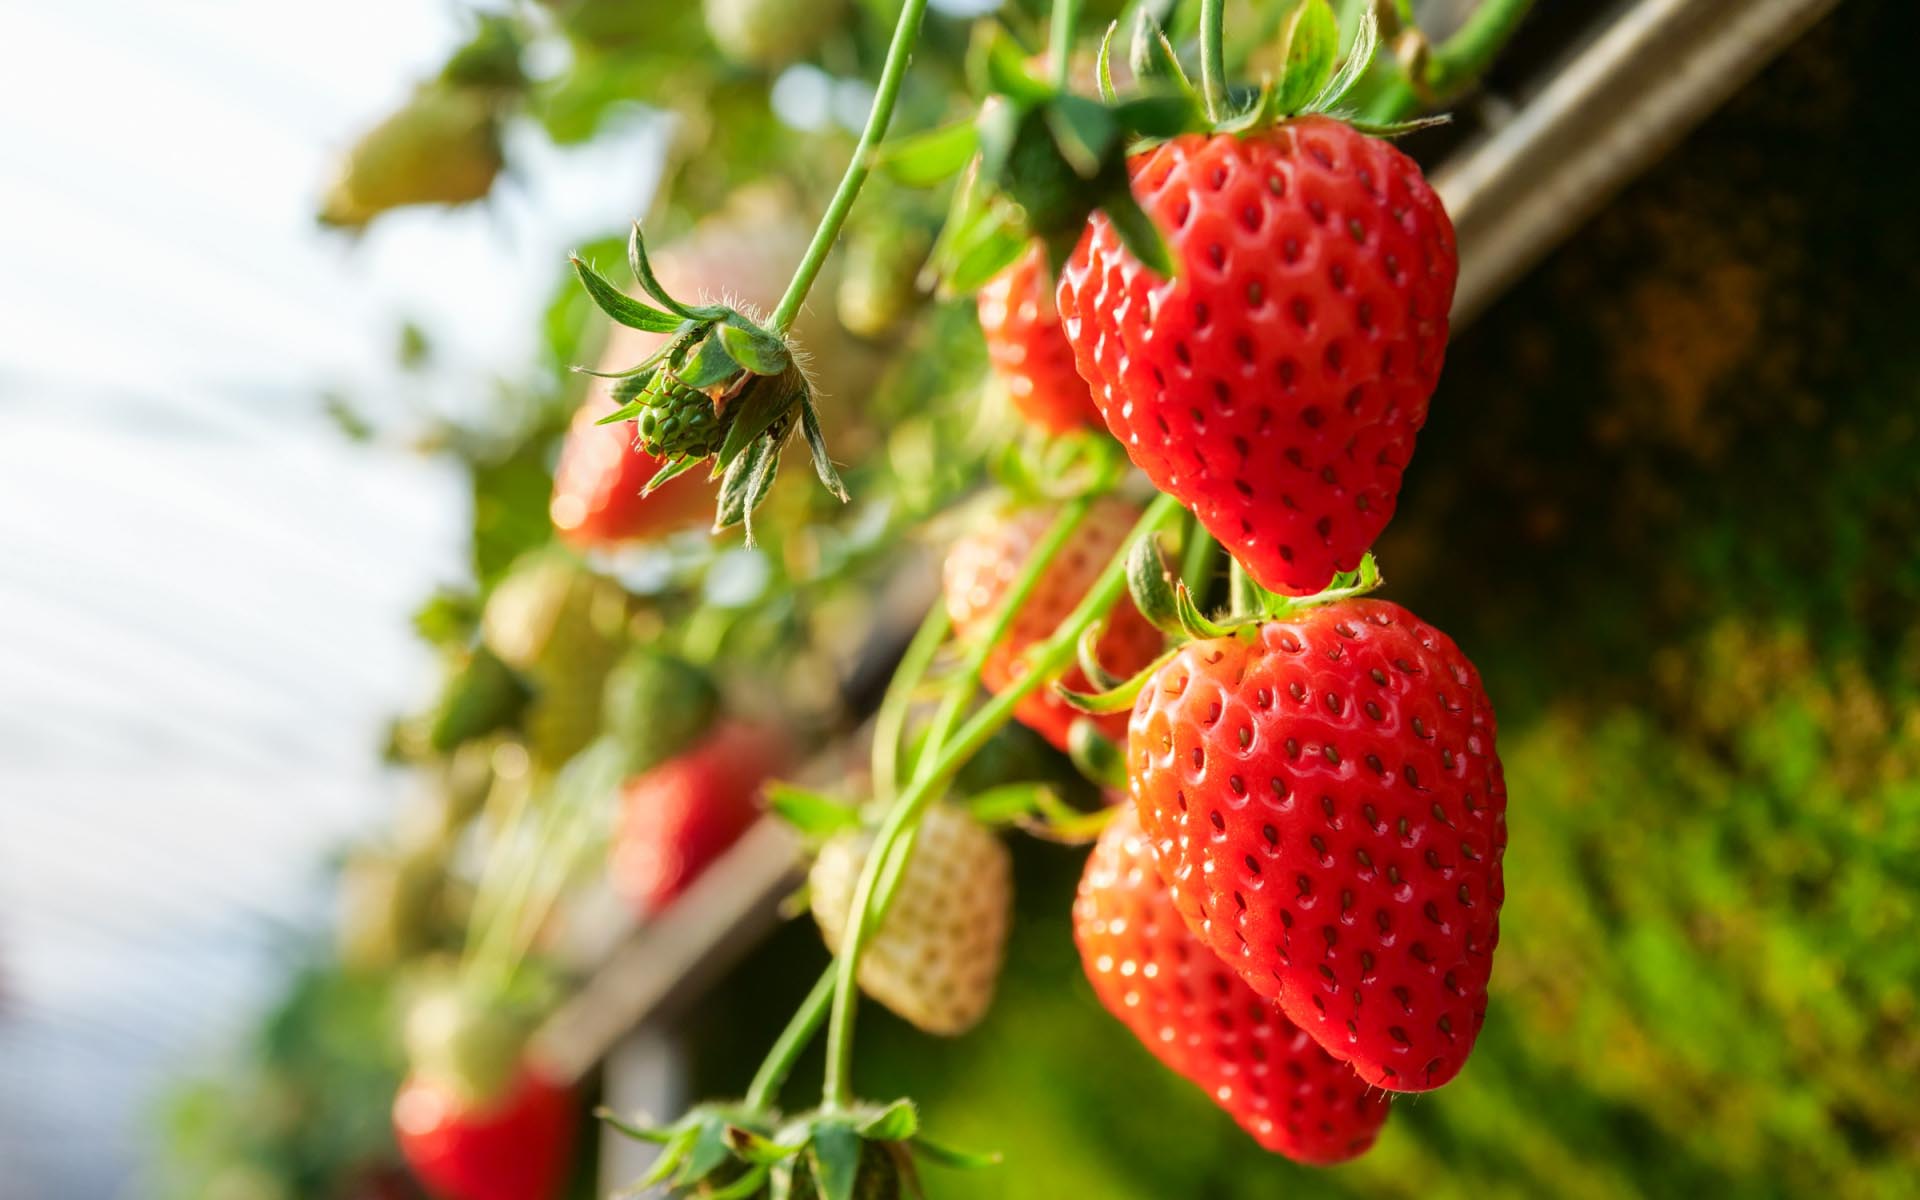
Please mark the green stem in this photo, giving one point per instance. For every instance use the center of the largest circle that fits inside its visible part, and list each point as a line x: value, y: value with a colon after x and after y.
x: 869, y: 900
x: 1246, y: 601
x: 1197, y: 561
x: 890, y: 723
x: 1213, y: 74
x: 961, y: 689
x: 1455, y: 64
x: 1066, y: 15
x: 793, y: 1039
x: 905, y: 33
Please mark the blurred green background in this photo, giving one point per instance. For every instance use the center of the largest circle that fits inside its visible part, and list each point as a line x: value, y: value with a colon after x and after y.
x: 1669, y: 500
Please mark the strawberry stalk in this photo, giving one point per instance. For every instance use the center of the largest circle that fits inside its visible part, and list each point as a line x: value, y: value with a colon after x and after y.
x: 1213, y: 69
x: 1066, y: 15
x: 1447, y: 70
x: 905, y: 33
x: 890, y: 722
x: 893, y: 842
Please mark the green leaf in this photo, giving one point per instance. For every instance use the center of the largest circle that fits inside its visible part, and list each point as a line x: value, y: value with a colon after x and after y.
x: 1138, y: 233
x: 817, y: 448
x: 710, y: 1152
x: 1096, y: 756
x: 753, y: 347
x: 1366, y: 43
x: 927, y: 158
x: 1152, y: 55
x: 991, y: 248
x: 1150, y: 582
x: 1310, y: 41
x: 673, y: 1157
x: 620, y: 306
x: 1158, y: 116
x: 895, y: 1123
x: 746, y: 1187
x: 672, y: 470
x: 836, y: 1160
x: 1084, y: 132
x: 711, y: 365
x: 814, y: 815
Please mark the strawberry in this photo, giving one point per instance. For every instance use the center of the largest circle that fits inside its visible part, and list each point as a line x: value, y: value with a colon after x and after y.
x: 685, y: 812
x: 1202, y: 1020
x: 981, y: 567
x: 1275, y: 383
x: 936, y: 958
x: 442, y: 147
x: 597, y: 484
x: 1328, y: 810
x: 1029, y: 349
x: 515, y: 1146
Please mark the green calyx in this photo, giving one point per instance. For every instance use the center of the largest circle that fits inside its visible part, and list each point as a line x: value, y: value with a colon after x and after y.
x: 723, y: 388
x: 731, y: 1152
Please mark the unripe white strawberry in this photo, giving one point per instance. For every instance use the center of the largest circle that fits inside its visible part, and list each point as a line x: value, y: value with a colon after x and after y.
x: 937, y: 956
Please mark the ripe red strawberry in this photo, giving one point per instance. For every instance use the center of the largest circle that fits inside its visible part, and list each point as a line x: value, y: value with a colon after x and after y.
x: 684, y: 813
x: 1030, y: 351
x: 1327, y: 808
x: 596, y: 486
x: 1276, y: 383
x: 514, y: 1147
x: 1202, y: 1020
x: 982, y: 566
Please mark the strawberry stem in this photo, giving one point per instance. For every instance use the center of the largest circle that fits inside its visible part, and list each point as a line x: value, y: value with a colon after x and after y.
x: 1066, y: 15
x: 890, y: 722
x: 1244, y: 600
x: 905, y: 33
x: 893, y: 843
x: 793, y: 1040
x: 1454, y: 65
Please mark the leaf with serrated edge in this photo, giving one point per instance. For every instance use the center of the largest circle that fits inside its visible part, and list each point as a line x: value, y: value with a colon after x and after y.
x: 1310, y: 41
x: 620, y: 306
x: 817, y: 449
x: 753, y: 348
x: 1366, y: 43
x: 925, y: 159
x: 895, y: 1123
x: 835, y: 1155
x: 814, y: 815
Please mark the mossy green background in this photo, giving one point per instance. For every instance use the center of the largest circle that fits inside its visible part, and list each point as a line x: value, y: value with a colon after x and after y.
x: 1669, y: 500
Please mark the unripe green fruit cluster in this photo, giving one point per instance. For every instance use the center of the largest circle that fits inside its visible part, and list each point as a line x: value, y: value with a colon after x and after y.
x: 679, y: 421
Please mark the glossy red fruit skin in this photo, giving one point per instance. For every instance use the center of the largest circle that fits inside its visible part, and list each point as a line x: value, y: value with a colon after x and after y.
x: 517, y: 1148
x: 1203, y: 1021
x: 1276, y: 383
x: 1029, y: 350
x: 596, y: 500
x: 684, y: 813
x: 982, y: 566
x: 1327, y: 808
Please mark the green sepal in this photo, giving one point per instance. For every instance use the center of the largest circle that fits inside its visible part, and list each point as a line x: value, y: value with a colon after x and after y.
x: 834, y: 1153
x: 642, y: 269
x: 757, y: 1149
x: 620, y: 306
x: 626, y: 397
x: 925, y: 159
x: 814, y: 815
x: 711, y: 365
x: 996, y: 65
x: 985, y: 249
x: 1160, y: 116
x: 673, y: 470
x: 747, y: 1187
x: 734, y: 485
x: 1114, y: 699
x: 1138, y: 233
x: 1103, y: 65
x: 895, y: 1122
x: 752, y: 347
x: 1152, y: 55
x: 710, y: 1151
x: 817, y: 450
x: 1151, y: 584
x: 1084, y: 131
x: 948, y: 1156
x: 1196, y: 624
x: 1087, y: 651
x: 764, y: 401
x: 1009, y: 802
x: 1366, y: 43
x: 1393, y: 129
x: 1310, y: 42
x: 1096, y: 756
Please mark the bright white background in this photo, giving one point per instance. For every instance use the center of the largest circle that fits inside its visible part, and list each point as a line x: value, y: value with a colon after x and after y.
x: 203, y: 588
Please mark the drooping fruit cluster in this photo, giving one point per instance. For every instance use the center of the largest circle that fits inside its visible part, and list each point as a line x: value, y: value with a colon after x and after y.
x: 1328, y: 811
x: 983, y: 565
x: 936, y: 958
x: 1275, y: 382
x: 1202, y: 1020
x: 1029, y: 349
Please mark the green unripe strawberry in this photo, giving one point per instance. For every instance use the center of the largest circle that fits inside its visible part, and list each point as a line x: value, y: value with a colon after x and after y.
x: 679, y: 421
x: 655, y: 706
